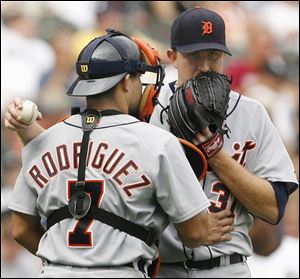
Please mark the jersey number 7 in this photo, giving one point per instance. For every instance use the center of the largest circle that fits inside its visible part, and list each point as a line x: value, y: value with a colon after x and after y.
x: 81, y: 236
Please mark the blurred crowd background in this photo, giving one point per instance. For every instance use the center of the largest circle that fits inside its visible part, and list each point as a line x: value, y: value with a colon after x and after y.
x: 40, y: 42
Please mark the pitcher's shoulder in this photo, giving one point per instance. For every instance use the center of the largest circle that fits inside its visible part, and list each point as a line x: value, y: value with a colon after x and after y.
x: 244, y: 101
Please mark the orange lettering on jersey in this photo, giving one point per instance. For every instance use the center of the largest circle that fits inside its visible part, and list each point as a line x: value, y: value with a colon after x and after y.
x: 76, y: 154
x: 144, y: 183
x: 99, y: 156
x: 38, y: 177
x: 62, y: 156
x: 113, y: 161
x: 124, y: 171
x: 207, y: 27
x: 240, y: 153
x: 49, y: 164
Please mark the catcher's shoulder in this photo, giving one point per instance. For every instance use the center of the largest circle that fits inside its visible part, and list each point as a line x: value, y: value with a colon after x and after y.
x: 154, y: 133
x: 154, y: 129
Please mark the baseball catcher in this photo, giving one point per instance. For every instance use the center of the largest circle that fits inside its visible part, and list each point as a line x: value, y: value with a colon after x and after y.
x: 201, y: 103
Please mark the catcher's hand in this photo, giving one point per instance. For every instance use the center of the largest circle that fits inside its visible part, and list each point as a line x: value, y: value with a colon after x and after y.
x: 199, y: 104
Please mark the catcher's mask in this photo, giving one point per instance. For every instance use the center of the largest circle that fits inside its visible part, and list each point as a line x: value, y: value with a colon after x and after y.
x: 107, y: 59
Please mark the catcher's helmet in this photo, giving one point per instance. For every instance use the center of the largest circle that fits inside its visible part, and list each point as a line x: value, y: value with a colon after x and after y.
x: 104, y: 62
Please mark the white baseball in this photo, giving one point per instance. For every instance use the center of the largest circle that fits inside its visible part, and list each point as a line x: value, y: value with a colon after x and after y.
x: 29, y: 112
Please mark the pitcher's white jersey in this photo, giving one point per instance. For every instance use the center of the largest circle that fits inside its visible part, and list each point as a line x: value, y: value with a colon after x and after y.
x: 134, y: 170
x: 255, y: 144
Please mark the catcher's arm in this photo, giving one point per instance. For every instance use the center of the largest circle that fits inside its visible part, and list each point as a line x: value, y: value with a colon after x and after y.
x: 12, y: 122
x: 27, y: 230
x: 206, y: 229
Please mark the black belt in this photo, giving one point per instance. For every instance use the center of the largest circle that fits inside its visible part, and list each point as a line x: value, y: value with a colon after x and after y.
x: 208, y: 264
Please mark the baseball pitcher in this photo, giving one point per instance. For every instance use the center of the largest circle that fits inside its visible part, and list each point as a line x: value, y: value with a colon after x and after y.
x: 250, y: 171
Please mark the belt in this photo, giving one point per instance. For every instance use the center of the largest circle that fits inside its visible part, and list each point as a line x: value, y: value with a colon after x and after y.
x: 208, y: 264
x: 140, y: 265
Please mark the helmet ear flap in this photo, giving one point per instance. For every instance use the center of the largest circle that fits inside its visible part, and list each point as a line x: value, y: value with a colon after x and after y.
x: 147, y: 104
x: 149, y: 54
x: 149, y: 98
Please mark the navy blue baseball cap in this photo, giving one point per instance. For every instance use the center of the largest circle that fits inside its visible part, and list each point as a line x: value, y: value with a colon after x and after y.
x: 198, y: 29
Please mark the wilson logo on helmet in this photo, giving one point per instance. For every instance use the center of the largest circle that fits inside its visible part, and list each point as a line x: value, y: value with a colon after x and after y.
x: 84, y: 68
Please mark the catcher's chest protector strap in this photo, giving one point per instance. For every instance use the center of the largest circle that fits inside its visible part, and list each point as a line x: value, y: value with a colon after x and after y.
x: 148, y: 236
x: 80, y: 202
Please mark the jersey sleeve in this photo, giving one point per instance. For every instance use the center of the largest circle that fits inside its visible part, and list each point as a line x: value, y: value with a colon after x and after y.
x: 178, y: 191
x: 273, y: 161
x: 23, y: 198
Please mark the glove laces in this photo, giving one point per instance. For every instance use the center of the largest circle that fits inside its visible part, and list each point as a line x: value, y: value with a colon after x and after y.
x: 164, y: 109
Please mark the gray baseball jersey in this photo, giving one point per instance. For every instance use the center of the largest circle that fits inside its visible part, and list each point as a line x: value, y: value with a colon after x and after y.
x: 254, y: 143
x: 134, y: 170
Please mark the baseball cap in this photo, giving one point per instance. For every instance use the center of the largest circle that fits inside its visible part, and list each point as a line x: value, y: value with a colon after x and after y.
x: 198, y: 29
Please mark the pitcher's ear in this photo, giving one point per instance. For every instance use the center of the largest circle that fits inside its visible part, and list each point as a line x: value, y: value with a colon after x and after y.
x: 172, y: 55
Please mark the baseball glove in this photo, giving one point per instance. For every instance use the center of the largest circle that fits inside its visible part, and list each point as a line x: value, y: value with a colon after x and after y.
x: 199, y: 103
